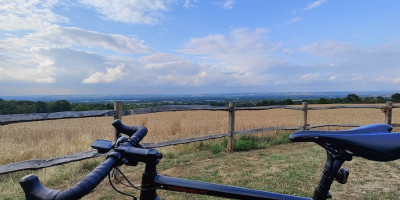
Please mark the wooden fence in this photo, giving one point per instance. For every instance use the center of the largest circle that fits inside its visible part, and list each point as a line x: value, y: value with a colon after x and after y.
x: 118, y: 113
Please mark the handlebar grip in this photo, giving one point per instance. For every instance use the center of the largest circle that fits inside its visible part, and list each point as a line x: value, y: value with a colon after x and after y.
x: 34, y: 190
x: 137, y: 133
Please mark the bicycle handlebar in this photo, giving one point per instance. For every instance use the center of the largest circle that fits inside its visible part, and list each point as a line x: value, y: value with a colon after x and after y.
x: 34, y: 190
x: 136, y: 133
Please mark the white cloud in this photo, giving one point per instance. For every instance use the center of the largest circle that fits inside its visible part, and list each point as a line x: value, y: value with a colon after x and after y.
x: 388, y: 80
x: 111, y: 75
x: 53, y: 55
x: 246, y: 58
x: 337, y: 65
x: 167, y: 69
x: 28, y: 15
x: 240, y: 51
x: 129, y: 11
x: 335, y: 56
x: 67, y: 36
x: 43, y: 72
x: 305, y: 76
x: 39, y: 69
x: 243, y: 57
x: 168, y: 63
x: 320, y: 76
x: 52, y: 65
x: 201, y: 78
x: 294, y: 20
x: 314, y: 4
x: 228, y: 4
x: 190, y: 3
x: 329, y: 48
x: 187, y: 4
x: 70, y: 58
x: 198, y: 78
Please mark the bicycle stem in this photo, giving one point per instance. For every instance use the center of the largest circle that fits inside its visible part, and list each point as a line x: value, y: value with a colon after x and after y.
x: 150, y: 172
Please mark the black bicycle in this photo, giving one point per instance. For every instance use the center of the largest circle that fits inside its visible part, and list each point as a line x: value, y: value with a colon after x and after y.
x: 373, y: 142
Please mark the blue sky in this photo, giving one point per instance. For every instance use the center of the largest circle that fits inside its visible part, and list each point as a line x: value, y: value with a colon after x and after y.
x: 198, y: 46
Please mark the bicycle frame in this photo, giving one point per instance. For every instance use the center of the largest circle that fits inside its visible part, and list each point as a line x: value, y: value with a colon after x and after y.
x: 151, y: 181
x: 210, y: 189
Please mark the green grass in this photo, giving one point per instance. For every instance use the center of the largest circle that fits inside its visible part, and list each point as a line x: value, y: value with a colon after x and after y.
x: 246, y: 143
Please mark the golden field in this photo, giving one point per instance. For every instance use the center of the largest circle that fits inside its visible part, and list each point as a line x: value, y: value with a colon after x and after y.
x: 48, y: 139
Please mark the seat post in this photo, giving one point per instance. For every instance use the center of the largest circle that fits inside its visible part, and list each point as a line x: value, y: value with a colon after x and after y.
x: 332, y: 171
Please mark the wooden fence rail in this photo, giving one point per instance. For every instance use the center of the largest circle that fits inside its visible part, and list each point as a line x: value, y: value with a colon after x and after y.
x: 17, y: 118
x: 118, y: 113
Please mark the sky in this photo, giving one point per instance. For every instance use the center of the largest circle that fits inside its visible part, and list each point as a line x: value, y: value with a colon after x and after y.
x: 63, y: 47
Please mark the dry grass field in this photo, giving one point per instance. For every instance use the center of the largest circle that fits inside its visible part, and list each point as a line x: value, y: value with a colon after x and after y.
x: 48, y: 139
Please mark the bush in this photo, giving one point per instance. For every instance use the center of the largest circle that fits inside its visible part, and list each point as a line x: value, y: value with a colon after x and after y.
x: 396, y: 97
x: 246, y: 143
x: 216, y: 148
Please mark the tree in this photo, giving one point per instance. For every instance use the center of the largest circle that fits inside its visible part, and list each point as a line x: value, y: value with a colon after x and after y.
x: 324, y: 101
x: 353, y: 98
x: 41, y: 107
x: 370, y: 100
x: 61, y: 105
x: 288, y: 102
x: 266, y: 103
x: 380, y: 99
x: 396, y: 97
x: 81, y: 107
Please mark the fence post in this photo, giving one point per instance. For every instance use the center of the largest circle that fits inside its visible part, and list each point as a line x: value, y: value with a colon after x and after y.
x: 118, y: 108
x: 231, y: 137
x: 388, y: 112
x: 305, y: 108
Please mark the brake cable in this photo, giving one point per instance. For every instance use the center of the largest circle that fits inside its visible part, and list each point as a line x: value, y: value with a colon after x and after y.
x: 131, y: 185
x: 112, y: 185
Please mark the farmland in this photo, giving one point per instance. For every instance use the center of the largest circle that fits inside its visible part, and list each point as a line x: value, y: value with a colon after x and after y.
x: 47, y: 139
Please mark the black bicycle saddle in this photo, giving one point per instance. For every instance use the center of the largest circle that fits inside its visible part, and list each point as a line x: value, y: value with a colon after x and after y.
x: 372, y: 142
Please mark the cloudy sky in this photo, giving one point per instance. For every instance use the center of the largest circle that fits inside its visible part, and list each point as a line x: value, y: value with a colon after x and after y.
x: 198, y: 46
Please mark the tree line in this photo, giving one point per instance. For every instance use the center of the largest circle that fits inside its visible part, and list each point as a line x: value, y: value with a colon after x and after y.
x: 19, y: 107
x: 349, y: 99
